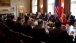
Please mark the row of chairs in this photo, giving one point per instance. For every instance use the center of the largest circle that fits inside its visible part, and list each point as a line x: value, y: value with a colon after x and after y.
x: 20, y: 38
x: 11, y: 36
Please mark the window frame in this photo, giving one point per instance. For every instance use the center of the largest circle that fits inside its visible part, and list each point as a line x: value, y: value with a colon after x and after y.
x: 33, y: 6
x: 50, y: 4
x: 74, y: 8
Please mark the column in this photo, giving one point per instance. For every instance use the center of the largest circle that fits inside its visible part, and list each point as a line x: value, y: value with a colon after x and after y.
x: 44, y: 6
x: 67, y: 6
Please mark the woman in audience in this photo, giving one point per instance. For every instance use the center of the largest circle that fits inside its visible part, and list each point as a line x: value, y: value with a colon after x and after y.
x: 63, y: 19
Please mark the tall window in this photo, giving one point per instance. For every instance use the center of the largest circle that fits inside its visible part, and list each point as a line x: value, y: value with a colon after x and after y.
x: 51, y: 6
x: 73, y: 7
x: 34, y: 6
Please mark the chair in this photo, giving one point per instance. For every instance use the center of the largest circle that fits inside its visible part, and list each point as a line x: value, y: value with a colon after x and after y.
x: 14, y: 37
x: 26, y: 39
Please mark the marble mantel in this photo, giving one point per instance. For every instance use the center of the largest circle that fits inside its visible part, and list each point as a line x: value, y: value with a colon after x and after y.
x: 4, y: 10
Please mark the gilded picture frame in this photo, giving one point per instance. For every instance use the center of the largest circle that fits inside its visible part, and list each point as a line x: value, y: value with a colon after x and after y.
x: 5, y: 3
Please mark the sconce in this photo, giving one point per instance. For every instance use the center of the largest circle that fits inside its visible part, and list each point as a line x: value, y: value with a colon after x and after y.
x: 21, y: 9
x: 41, y: 6
x: 63, y: 5
x: 21, y: 6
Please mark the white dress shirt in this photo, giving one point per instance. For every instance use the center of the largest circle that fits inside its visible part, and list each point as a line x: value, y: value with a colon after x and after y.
x: 70, y: 29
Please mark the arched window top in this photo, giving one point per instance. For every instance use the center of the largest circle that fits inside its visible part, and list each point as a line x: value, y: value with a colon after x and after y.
x: 73, y: 7
x: 34, y: 2
x: 51, y: 1
x: 50, y: 6
x: 73, y: 0
x: 34, y: 6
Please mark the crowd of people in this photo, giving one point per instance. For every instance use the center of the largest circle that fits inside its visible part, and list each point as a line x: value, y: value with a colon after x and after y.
x: 61, y: 30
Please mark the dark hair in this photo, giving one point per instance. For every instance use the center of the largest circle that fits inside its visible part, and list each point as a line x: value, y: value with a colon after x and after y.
x: 40, y: 21
x: 19, y: 18
x: 12, y: 16
x: 26, y: 18
x: 58, y: 23
x: 49, y: 12
x: 0, y: 16
x: 71, y: 23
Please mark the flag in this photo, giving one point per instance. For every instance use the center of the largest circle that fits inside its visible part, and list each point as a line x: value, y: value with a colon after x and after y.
x: 58, y: 8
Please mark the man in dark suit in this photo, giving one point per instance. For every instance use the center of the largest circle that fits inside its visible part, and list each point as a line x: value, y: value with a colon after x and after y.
x: 18, y: 25
x: 39, y: 33
x: 11, y: 22
x: 70, y: 18
x: 58, y: 35
x: 48, y: 17
x: 26, y: 28
x: 39, y: 15
x: 2, y: 18
x: 55, y: 17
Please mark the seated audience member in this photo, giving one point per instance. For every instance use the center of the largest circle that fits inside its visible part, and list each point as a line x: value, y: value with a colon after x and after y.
x: 8, y: 20
x: 2, y: 18
x: 26, y: 28
x: 75, y: 32
x: 49, y: 17
x: 18, y: 25
x: 58, y: 35
x: 21, y: 15
x: 12, y: 22
x: 39, y: 16
x: 5, y: 17
x: 70, y: 28
x: 44, y: 16
x: 55, y: 17
x: 26, y: 14
x: 70, y: 18
x: 31, y: 14
x: 63, y: 19
x: 63, y: 27
x: 75, y: 25
x: 39, y: 33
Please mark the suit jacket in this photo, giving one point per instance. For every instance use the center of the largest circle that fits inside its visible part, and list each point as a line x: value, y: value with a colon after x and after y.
x: 27, y: 29
x: 40, y: 17
x: 17, y: 27
x: 71, y: 17
x: 1, y: 20
x: 39, y: 34
x: 7, y: 22
x: 11, y: 24
x: 50, y: 18
x: 59, y: 36
x: 54, y: 19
